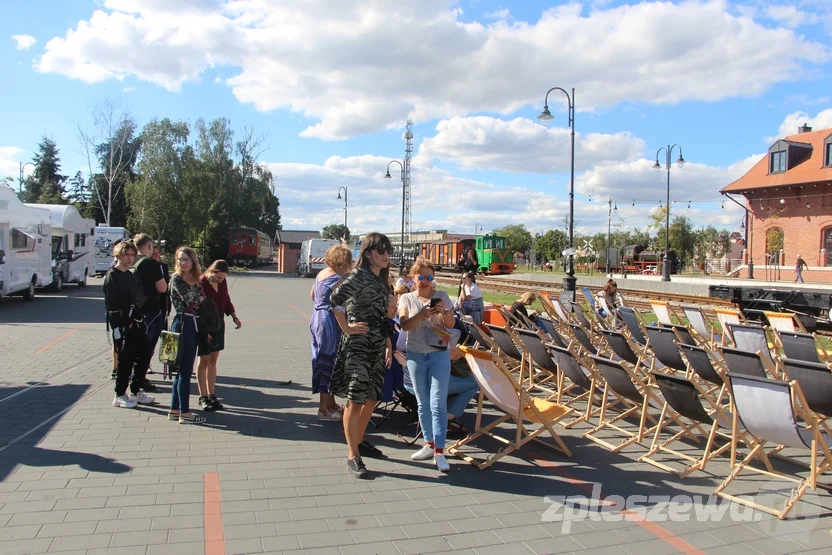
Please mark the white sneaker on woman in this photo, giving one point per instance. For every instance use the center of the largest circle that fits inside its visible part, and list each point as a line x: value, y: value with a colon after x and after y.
x: 441, y: 463
x: 422, y: 454
x: 124, y: 402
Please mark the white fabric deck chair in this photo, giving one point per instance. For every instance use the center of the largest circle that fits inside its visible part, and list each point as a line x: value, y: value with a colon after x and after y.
x: 662, y: 311
x: 611, y: 316
x: 728, y: 316
x: 767, y: 410
x: 501, y: 389
x: 784, y: 321
x: 701, y: 326
x: 751, y: 338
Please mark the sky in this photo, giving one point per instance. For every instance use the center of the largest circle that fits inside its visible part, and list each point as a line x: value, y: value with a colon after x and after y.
x: 331, y: 83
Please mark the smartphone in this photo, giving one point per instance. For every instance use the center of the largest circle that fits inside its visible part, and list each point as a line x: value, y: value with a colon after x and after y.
x: 116, y: 334
x: 433, y: 302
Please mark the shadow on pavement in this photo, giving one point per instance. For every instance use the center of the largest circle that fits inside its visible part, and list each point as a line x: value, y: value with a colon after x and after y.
x: 72, y: 305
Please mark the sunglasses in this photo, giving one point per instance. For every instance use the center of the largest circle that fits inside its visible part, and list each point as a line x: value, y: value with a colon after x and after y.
x: 384, y: 250
x: 423, y: 278
x: 184, y: 260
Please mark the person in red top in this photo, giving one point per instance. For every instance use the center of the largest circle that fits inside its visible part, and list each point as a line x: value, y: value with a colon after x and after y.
x: 216, y: 287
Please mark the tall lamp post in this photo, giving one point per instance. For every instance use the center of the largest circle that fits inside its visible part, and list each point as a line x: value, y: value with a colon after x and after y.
x: 345, y: 208
x: 609, y: 232
x: 388, y: 176
x: 570, y: 280
x: 680, y: 162
x: 22, y: 167
x: 475, y: 229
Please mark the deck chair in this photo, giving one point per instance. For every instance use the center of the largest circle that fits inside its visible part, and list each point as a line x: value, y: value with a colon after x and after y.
x: 662, y: 311
x: 637, y: 396
x: 540, y: 358
x: 751, y: 338
x: 581, y: 317
x: 746, y: 363
x: 548, y: 327
x: 815, y: 381
x: 685, y: 398
x: 663, y: 344
x: 701, y: 326
x: 411, y: 406
x: 728, y: 316
x: 623, y: 349
x: 784, y: 321
x: 583, y: 339
x: 501, y: 389
x: 628, y: 315
x: 602, y: 302
x: 767, y: 410
x: 700, y: 362
x: 802, y: 346
x: 478, y: 335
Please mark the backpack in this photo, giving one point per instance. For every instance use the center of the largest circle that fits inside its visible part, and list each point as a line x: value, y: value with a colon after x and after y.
x: 139, y: 292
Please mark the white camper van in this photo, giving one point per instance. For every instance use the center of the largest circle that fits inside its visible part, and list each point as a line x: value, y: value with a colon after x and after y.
x: 105, y: 238
x: 72, y: 239
x: 311, y: 258
x: 25, y: 259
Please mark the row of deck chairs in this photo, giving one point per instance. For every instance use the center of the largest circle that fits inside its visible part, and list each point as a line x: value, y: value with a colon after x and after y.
x: 730, y: 390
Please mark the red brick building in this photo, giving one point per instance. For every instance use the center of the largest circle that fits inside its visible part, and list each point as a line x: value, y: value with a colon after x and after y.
x: 788, y: 200
x: 287, y: 244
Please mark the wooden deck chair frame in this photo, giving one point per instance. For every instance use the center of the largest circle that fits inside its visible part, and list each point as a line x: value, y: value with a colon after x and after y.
x: 492, y: 375
x: 753, y: 338
x: 818, y: 444
x: 728, y: 316
x: 555, y: 309
x: 543, y: 373
x: 631, y: 326
x: 701, y: 325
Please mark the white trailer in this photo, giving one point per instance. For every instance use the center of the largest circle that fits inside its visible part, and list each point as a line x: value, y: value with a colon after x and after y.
x: 72, y: 242
x: 25, y: 258
x: 105, y: 239
x: 311, y: 258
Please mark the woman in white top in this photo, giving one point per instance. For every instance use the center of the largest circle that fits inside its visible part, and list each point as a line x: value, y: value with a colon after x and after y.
x: 426, y: 315
x: 470, y: 300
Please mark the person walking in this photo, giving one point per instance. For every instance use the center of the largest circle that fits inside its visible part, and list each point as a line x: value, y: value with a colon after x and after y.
x: 126, y: 322
x: 799, y: 265
x: 426, y: 315
x: 360, y: 305
x: 215, y: 286
x: 326, y: 334
x: 186, y: 295
x: 153, y: 283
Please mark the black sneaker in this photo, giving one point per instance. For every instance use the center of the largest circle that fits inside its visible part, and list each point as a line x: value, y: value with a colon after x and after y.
x: 148, y: 387
x: 215, y: 402
x: 114, y: 374
x: 205, y: 404
x: 369, y: 450
x: 357, y: 467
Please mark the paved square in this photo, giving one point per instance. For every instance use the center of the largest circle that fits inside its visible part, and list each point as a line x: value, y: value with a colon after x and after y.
x: 78, y: 476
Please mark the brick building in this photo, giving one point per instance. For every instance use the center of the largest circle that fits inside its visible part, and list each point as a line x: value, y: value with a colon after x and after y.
x: 788, y: 200
x: 287, y: 243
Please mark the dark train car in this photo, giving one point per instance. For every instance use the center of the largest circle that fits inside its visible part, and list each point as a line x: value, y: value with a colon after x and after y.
x: 490, y: 254
x: 636, y: 259
x: 248, y: 247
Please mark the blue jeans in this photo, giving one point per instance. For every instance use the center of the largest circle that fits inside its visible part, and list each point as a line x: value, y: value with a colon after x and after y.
x: 430, y: 373
x: 460, y: 393
x: 181, y: 387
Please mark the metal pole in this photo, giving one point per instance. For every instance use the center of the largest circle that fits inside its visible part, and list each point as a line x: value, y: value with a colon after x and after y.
x: 401, y: 255
x: 570, y: 280
x: 666, y: 265
x: 609, y: 229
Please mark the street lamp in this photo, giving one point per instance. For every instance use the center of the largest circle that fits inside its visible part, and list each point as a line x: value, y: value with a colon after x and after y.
x: 680, y: 162
x: 570, y: 280
x: 475, y: 229
x: 388, y: 176
x: 22, y: 167
x: 345, y: 209
x: 609, y: 232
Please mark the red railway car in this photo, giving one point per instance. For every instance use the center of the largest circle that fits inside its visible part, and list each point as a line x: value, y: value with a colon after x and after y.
x: 248, y: 247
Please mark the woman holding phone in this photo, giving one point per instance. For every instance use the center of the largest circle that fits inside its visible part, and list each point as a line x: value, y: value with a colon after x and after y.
x: 426, y: 315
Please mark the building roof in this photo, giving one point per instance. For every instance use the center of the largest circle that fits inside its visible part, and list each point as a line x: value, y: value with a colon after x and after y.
x: 295, y: 236
x: 808, y: 170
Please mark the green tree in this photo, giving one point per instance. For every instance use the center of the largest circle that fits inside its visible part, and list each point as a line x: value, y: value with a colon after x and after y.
x: 518, y: 238
x: 336, y: 231
x: 551, y: 244
x: 46, y: 184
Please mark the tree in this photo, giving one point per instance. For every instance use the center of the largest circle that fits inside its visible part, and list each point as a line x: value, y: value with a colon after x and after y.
x: 551, y: 244
x: 518, y: 238
x: 46, y: 184
x: 336, y: 231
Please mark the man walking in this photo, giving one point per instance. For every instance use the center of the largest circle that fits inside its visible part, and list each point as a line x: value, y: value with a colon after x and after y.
x: 798, y: 269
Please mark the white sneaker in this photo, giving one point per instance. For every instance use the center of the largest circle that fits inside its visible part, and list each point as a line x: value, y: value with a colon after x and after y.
x: 124, y: 402
x: 422, y: 454
x: 441, y: 463
x: 330, y: 416
x: 143, y: 398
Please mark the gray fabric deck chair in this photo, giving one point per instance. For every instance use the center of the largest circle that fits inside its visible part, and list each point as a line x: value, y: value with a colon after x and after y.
x: 602, y: 323
x: 751, y: 338
x: 581, y: 317
x: 743, y: 362
x: 815, y: 381
x: 799, y: 346
x: 475, y: 333
x: 503, y: 340
x: 683, y: 333
x: 663, y: 343
x: 547, y: 326
x: 583, y: 339
x: 622, y: 348
x: 684, y: 397
x: 700, y: 325
x: 767, y: 411
x: 540, y: 358
x: 628, y: 315
x: 637, y: 398
x: 582, y: 379
x: 702, y: 365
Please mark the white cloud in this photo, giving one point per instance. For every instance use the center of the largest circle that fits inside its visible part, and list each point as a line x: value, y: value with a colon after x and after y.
x: 128, y: 89
x: 790, y: 16
x: 499, y: 14
x: 368, y: 65
x: 9, y: 165
x: 522, y: 145
x: 823, y: 120
x: 24, y: 42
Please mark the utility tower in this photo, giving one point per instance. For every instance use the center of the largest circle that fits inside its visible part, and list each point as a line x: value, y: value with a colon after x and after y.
x: 408, y: 156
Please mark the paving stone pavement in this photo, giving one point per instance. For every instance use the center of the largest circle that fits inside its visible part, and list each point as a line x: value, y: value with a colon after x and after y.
x: 78, y: 476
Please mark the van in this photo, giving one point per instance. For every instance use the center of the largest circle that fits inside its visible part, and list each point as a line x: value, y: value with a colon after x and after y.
x: 105, y: 239
x: 311, y: 258
x: 72, y: 242
x: 25, y: 256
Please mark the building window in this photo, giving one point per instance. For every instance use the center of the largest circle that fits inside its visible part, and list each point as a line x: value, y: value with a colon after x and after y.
x: 829, y: 154
x: 827, y: 244
x: 778, y: 161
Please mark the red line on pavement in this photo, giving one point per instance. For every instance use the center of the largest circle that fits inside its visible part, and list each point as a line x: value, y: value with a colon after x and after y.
x: 61, y: 338
x: 214, y: 537
x: 299, y: 311
x: 651, y: 527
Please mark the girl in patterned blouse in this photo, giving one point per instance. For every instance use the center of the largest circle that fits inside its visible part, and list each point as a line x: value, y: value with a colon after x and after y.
x: 186, y: 296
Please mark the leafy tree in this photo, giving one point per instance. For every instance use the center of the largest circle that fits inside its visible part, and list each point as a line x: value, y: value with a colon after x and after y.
x: 46, y: 184
x: 551, y: 244
x: 518, y: 238
x: 336, y: 231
